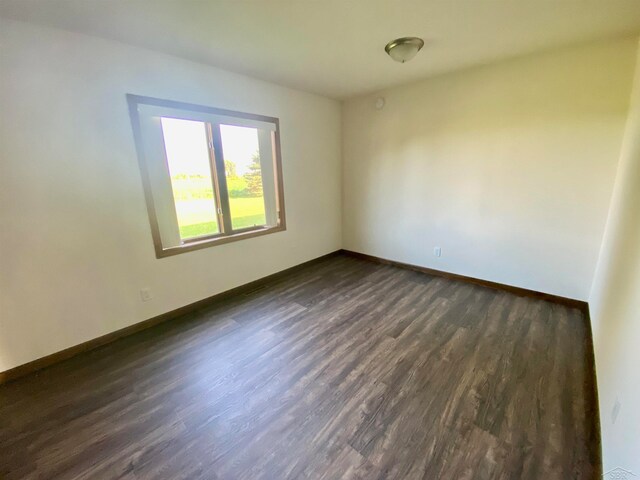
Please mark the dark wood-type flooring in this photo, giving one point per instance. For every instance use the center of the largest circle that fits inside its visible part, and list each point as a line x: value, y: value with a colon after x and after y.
x: 345, y: 369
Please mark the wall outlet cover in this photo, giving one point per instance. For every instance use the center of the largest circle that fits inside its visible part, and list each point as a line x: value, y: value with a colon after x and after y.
x: 615, y: 411
x: 145, y: 294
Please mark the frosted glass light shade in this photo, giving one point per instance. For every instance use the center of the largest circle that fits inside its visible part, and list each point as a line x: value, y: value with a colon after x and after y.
x: 404, y: 49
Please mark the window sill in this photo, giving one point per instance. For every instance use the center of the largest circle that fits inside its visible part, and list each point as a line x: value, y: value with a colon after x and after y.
x: 213, y: 241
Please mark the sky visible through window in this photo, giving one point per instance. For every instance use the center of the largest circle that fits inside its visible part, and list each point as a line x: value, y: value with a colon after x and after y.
x: 239, y: 145
x: 187, y: 140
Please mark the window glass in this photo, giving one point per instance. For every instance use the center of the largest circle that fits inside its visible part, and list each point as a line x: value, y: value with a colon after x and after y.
x: 187, y: 152
x: 244, y: 176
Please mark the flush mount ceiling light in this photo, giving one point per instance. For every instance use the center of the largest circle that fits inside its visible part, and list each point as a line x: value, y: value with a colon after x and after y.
x: 404, y: 49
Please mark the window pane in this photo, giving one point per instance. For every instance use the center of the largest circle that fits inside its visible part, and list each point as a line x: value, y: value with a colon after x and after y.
x: 188, y: 158
x: 244, y: 178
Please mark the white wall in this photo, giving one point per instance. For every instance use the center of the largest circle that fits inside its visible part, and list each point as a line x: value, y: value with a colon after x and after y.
x: 509, y: 167
x: 615, y: 307
x: 75, y: 239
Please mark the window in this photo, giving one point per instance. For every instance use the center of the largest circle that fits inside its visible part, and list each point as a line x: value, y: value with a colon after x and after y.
x: 210, y: 176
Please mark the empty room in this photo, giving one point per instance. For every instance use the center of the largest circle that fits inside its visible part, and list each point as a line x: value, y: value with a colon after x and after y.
x: 301, y: 239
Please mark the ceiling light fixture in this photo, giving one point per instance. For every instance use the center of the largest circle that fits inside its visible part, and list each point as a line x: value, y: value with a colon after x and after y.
x: 404, y: 49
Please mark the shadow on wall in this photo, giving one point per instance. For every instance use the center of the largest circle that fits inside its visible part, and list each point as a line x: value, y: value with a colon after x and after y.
x: 615, y: 307
x: 509, y: 167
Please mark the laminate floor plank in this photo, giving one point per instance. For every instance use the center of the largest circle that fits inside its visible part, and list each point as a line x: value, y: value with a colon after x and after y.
x: 344, y: 369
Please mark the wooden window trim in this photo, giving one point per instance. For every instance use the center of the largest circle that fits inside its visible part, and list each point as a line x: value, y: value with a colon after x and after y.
x: 219, y: 184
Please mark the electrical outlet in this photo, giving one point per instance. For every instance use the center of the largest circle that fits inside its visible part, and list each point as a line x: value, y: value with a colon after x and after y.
x: 437, y: 251
x: 615, y: 411
x: 145, y: 294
